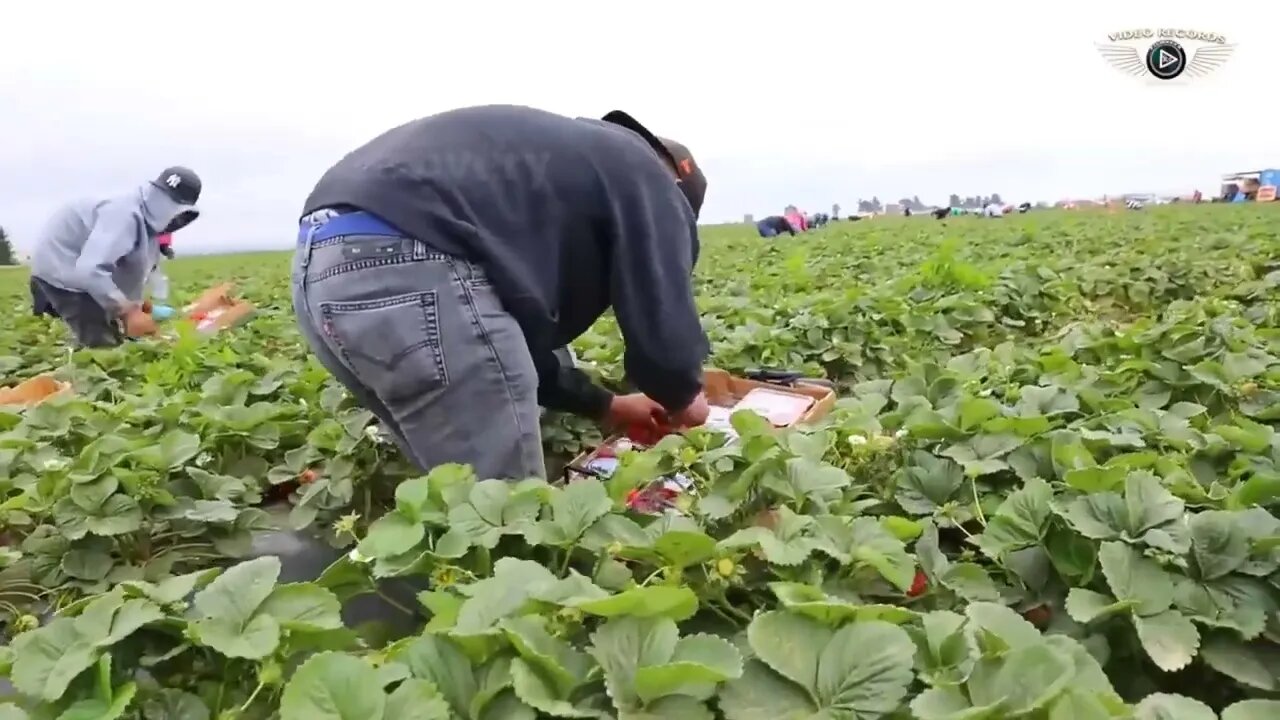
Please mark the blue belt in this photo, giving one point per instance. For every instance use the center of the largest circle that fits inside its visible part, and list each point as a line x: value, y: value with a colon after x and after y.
x: 352, y: 223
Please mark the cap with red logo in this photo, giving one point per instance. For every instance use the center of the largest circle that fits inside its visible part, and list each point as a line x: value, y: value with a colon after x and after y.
x: 692, y: 182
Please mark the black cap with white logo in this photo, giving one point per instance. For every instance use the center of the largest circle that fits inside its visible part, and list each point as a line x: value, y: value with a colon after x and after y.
x: 180, y: 183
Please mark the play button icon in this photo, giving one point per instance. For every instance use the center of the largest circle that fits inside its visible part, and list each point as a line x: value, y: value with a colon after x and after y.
x: 1166, y: 59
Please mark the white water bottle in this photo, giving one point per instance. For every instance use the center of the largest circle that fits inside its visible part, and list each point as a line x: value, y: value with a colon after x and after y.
x: 159, y: 285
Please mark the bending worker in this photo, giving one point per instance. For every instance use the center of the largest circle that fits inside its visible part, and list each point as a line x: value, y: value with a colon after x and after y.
x: 441, y: 265
x: 92, y: 260
x: 796, y: 218
x: 773, y: 226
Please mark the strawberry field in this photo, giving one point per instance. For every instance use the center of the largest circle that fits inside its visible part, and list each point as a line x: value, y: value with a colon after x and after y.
x: 1049, y: 491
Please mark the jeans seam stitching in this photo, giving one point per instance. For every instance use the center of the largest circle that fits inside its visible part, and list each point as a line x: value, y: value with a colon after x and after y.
x: 430, y: 304
x: 465, y: 285
x: 355, y: 265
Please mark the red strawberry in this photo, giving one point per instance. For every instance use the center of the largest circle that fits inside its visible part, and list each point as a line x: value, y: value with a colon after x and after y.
x: 646, y: 435
x: 1038, y: 616
x: 281, y: 491
x: 919, y: 584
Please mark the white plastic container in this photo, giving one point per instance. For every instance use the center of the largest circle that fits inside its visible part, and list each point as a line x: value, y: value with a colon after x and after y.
x: 159, y: 286
x: 780, y: 409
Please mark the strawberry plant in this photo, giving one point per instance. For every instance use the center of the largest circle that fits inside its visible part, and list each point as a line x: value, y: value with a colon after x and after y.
x: 1049, y: 490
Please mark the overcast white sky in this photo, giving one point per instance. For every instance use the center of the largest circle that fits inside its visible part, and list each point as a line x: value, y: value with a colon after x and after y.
x: 782, y: 102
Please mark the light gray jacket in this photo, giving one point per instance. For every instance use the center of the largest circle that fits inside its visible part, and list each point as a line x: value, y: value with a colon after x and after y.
x: 106, y: 248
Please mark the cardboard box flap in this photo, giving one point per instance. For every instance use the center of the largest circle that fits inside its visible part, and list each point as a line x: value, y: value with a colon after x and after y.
x: 727, y: 390
x: 223, y: 316
x: 34, y: 391
x: 211, y: 298
x: 218, y: 308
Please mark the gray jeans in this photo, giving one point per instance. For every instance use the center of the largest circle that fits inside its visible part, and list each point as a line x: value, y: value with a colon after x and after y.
x: 90, y: 324
x: 421, y: 339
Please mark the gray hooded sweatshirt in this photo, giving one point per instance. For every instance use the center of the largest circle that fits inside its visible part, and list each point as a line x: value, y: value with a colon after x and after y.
x: 106, y: 248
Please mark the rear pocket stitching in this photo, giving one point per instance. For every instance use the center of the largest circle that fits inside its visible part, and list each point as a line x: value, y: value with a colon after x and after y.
x: 427, y: 302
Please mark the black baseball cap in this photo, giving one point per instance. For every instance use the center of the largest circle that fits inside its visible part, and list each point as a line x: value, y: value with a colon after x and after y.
x: 692, y: 182
x: 180, y: 183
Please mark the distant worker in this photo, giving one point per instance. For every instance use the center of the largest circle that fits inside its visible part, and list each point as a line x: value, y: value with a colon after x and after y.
x: 796, y: 218
x: 93, y: 258
x: 941, y: 213
x: 773, y: 226
x: 1024, y: 207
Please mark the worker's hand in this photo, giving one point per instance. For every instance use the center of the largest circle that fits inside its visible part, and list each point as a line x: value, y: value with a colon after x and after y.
x: 695, y: 414
x: 146, y: 306
x: 637, y: 409
x: 138, y: 323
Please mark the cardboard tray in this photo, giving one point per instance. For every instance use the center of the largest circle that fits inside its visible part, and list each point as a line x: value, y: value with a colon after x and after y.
x: 724, y: 389
x: 210, y: 299
x: 223, y: 316
x: 34, y: 391
x: 217, y: 308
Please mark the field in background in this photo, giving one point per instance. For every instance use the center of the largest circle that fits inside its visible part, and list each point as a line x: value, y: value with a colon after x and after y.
x: 1050, y: 491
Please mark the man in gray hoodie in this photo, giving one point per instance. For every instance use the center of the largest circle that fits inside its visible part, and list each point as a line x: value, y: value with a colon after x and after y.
x: 92, y: 259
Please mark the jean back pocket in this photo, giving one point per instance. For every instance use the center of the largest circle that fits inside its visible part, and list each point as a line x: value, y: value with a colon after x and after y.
x: 392, y: 345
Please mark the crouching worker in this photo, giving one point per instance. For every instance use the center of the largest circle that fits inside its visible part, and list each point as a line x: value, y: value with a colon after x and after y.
x: 441, y: 265
x: 92, y: 260
x: 773, y: 226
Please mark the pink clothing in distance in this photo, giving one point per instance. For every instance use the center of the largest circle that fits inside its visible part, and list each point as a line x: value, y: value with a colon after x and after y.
x: 165, y: 240
x: 798, y: 221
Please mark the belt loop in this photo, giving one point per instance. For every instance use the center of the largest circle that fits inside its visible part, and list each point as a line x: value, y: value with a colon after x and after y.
x: 306, y: 247
x: 315, y: 221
